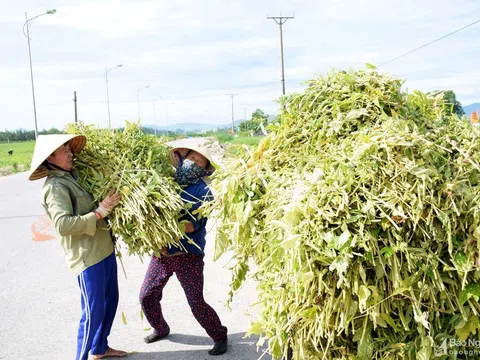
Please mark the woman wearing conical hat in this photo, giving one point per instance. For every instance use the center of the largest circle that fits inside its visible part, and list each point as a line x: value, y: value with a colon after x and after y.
x: 193, y: 163
x: 84, y: 235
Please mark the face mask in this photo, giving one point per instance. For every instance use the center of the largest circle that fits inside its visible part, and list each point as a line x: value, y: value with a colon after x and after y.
x: 189, y: 173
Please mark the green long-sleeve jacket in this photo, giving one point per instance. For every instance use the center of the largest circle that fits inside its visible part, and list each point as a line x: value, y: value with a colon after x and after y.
x: 85, y: 240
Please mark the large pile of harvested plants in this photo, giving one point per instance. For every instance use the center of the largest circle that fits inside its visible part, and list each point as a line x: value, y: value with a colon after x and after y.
x: 137, y: 166
x: 360, y: 212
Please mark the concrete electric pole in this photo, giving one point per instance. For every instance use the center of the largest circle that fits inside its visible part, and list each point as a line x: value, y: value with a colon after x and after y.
x: 280, y: 20
x: 233, y: 121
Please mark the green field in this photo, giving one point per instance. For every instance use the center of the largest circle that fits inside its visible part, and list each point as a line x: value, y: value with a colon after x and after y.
x: 20, y: 158
x: 246, y: 140
x: 235, y: 144
x: 238, y: 139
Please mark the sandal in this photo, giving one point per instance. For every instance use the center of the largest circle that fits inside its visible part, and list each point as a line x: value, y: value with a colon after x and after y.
x: 111, y: 353
x: 154, y: 337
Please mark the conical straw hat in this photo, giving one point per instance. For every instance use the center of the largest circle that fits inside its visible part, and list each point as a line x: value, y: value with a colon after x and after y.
x: 182, y: 146
x: 46, y: 145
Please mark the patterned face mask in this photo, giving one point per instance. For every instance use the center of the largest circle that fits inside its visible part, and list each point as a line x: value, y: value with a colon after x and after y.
x: 188, y: 172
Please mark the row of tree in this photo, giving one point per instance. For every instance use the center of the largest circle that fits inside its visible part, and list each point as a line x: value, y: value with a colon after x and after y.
x: 28, y: 135
x: 24, y: 135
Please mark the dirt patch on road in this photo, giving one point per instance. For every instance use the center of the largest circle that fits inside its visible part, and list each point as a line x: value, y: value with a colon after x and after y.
x: 9, y: 170
x: 5, y: 171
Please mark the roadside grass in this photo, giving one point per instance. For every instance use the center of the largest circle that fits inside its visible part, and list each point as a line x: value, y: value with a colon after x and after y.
x: 241, y: 139
x: 20, y: 159
x: 236, y: 144
x: 246, y: 140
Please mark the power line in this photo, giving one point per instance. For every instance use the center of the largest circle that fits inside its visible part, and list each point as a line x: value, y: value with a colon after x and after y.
x: 430, y: 43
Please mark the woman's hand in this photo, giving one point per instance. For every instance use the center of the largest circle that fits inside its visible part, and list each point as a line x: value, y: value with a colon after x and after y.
x: 106, y: 205
x: 112, y: 200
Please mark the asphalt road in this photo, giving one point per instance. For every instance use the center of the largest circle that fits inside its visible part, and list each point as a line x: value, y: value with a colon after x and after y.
x: 40, y: 298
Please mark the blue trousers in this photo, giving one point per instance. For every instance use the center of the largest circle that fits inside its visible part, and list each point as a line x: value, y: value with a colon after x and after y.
x: 99, y: 290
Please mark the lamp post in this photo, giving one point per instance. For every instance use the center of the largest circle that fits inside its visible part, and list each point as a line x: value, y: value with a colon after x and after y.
x: 26, y: 32
x: 154, y: 116
x: 167, y: 115
x: 108, y: 97
x: 138, y: 100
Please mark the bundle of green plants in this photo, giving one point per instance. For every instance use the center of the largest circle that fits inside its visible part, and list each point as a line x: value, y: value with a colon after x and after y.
x: 137, y: 166
x: 358, y: 215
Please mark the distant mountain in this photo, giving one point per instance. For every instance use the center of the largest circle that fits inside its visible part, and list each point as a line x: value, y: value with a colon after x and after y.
x: 199, y: 127
x: 471, y: 108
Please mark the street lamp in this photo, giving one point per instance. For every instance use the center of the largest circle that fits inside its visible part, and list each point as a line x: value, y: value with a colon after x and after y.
x: 138, y: 100
x: 167, y: 115
x: 154, y: 116
x: 108, y: 97
x: 26, y: 32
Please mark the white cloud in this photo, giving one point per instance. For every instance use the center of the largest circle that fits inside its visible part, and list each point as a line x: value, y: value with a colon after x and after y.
x: 112, y: 19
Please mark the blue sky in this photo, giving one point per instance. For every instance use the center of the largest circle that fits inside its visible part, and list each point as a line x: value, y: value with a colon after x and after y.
x: 192, y: 54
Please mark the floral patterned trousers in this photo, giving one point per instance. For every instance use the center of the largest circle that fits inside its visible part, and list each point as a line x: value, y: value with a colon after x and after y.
x: 189, y: 271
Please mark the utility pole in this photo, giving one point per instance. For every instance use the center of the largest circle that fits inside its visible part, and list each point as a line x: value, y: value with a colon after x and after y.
x: 75, y: 105
x: 245, y: 113
x: 26, y: 26
x: 108, y: 96
x: 108, y: 100
x: 138, y: 100
x: 154, y: 120
x: 167, y: 113
x: 233, y: 121
x: 155, y: 115
x: 280, y: 20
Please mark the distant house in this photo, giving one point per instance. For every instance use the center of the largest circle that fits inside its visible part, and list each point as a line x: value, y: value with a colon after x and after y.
x: 474, y: 119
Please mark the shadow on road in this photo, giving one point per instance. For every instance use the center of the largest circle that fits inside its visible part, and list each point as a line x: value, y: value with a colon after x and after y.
x: 238, y: 348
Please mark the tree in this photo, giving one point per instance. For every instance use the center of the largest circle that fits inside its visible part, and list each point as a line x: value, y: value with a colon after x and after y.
x: 258, y: 117
x: 259, y: 114
x: 453, y: 106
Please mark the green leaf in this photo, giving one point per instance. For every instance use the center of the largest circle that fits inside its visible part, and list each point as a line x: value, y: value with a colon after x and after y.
x: 343, y: 239
x: 388, y: 319
x: 255, y: 329
x: 469, y: 291
x: 363, y: 295
x: 309, y: 313
x: 426, y: 348
x: 340, y: 264
x: 365, y: 345
x: 275, y: 347
x: 469, y: 327
x: 290, y: 241
x: 387, y: 251
x: 421, y: 317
